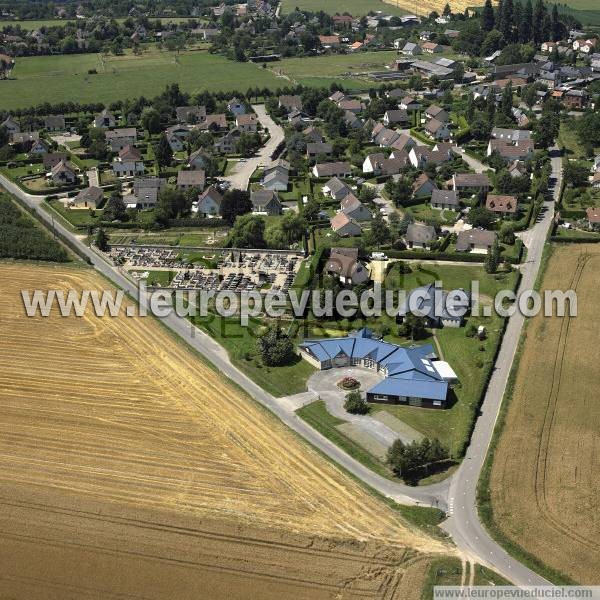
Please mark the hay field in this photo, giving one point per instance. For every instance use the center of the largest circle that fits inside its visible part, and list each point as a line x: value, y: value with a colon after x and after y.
x: 425, y: 7
x: 130, y: 469
x: 545, y: 479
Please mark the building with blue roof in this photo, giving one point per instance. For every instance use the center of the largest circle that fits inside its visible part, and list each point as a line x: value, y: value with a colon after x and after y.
x: 411, y: 376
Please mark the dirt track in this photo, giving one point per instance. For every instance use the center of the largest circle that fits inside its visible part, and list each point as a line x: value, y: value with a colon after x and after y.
x: 130, y: 469
x: 545, y: 481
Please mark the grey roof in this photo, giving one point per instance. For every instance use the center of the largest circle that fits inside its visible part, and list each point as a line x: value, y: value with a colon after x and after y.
x: 433, y: 302
x: 478, y: 237
x: 420, y: 234
x: 448, y: 197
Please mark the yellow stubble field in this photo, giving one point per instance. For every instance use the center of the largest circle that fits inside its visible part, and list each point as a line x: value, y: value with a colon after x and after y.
x: 131, y: 469
x: 545, y: 480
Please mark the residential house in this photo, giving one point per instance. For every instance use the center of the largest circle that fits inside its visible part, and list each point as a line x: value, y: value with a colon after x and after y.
x: 120, y: 138
x: 475, y: 240
x: 423, y: 186
x: 593, y: 217
x: 315, y: 149
x: 191, y: 179
x: 355, y: 209
x: 290, y: 103
x: 51, y: 159
x: 344, y: 264
x: 227, y: 144
x: 105, y: 120
x: 11, y: 126
x: 403, y: 144
x: 145, y: 192
x: 437, y: 112
x: 470, y: 183
x: 129, y: 162
x: 410, y: 104
x: 431, y: 48
x: 421, y: 156
x: 420, y: 236
x: 344, y: 226
x: 247, y: 123
x: 266, y: 202
x: 352, y: 120
x: 411, y: 49
x: 190, y: 114
x: 351, y: 105
x: 517, y: 169
x: 54, y: 123
x: 332, y: 169
x: 511, y: 135
x: 276, y: 179
x: 510, y: 151
x: 330, y: 41
x: 216, y: 122
x: 438, y: 307
x: 444, y: 199
x: 396, y: 117
x: 336, y: 188
x: 501, y: 204
x: 90, y: 197
x: 384, y: 137
x: 63, y: 173
x: 437, y: 130
x: 208, y: 203
x: 39, y: 146
x: 237, y: 107
x: 313, y: 134
x: 576, y: 99
x: 198, y: 160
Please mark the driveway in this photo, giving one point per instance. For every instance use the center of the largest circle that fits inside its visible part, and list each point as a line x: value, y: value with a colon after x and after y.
x: 242, y: 171
x: 324, y: 385
x: 473, y: 163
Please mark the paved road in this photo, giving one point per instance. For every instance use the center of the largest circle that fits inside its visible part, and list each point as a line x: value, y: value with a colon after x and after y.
x: 240, y: 177
x: 473, y: 163
x: 463, y: 523
x: 455, y: 495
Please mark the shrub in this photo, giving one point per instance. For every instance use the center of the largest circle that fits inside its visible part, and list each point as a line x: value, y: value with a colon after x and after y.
x: 355, y: 404
x: 349, y: 383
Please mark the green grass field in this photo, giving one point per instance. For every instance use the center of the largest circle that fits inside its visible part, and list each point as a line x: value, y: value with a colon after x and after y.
x: 356, y: 8
x: 38, y: 23
x: 65, y: 78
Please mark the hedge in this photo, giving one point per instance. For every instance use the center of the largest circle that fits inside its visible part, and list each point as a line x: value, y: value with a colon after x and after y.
x: 196, y: 222
x: 582, y: 239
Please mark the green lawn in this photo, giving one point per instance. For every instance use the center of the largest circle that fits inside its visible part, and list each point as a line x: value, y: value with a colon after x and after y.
x: 76, y: 217
x: 443, y: 571
x: 33, y: 24
x: 424, y: 212
x: 317, y: 416
x: 160, y: 278
x: 240, y: 343
x: 65, y: 78
x: 331, y: 66
x: 356, y: 8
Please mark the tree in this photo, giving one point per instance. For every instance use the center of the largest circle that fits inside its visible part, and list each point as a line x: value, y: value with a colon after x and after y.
x: 311, y: 210
x: 492, y: 260
x: 400, y: 192
x: 275, y: 347
x: 481, y: 217
x: 355, y: 403
x: 115, y: 209
x: 379, y: 233
x: 538, y: 22
x: 248, y: 144
x: 248, y: 232
x: 575, y: 174
x: 234, y: 203
x: 293, y: 227
x: 171, y: 204
x: 101, y: 240
x: 150, y: 120
x: 526, y: 23
x: 407, y: 460
x: 413, y: 327
x: 163, y: 152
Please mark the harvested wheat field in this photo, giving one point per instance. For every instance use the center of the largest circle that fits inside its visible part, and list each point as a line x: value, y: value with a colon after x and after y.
x: 545, y: 480
x: 130, y: 469
x: 425, y: 7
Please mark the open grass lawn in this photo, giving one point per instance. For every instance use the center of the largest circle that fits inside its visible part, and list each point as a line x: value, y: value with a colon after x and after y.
x: 424, y: 212
x: 63, y: 78
x: 356, y: 8
x: 31, y: 25
x: 568, y: 138
x: 157, y: 278
x: 75, y: 216
x: 240, y: 343
x: 334, y: 65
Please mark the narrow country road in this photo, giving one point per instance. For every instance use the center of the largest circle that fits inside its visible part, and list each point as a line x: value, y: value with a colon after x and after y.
x: 455, y: 495
x: 242, y: 171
